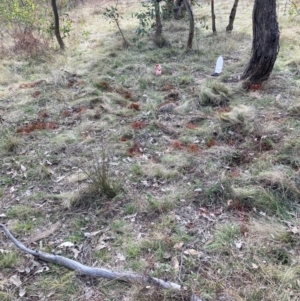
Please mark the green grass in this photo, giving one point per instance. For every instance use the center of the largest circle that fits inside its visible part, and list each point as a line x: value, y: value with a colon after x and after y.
x: 224, y: 237
x: 219, y: 175
x: 6, y: 296
x: 8, y: 260
x: 21, y: 212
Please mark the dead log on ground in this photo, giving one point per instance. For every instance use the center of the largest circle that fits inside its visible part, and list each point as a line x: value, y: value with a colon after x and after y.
x: 82, y: 269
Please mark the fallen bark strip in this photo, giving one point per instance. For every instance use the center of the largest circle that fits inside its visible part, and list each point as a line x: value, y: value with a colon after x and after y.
x: 96, y: 272
x: 44, y: 234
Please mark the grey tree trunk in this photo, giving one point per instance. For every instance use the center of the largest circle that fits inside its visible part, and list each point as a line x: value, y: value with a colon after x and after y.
x: 192, y: 24
x: 56, y: 25
x: 265, y: 43
x: 213, y: 17
x: 229, y: 27
x: 158, y: 30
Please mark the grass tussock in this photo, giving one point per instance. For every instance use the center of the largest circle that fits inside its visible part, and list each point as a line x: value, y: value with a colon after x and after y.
x: 289, y: 153
x: 99, y: 186
x: 214, y: 93
x: 12, y: 143
x: 294, y: 110
x: 224, y: 236
x: 237, y: 123
x: 8, y: 259
x: 259, y: 199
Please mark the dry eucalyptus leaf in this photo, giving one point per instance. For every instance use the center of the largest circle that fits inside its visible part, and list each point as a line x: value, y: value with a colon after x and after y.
x: 293, y: 230
x: 178, y: 246
x: 77, y: 177
x: 58, y: 179
x: 15, y: 279
x: 22, y: 292
x: 166, y: 255
x: 76, y: 252
x: 91, y: 234
x: 41, y: 270
x: 192, y: 252
x: 50, y: 294
x: 105, y: 237
x: 238, y: 244
x: 101, y: 246
x: 3, y: 283
x: 175, y: 264
x: 21, y: 270
x: 130, y: 216
x: 121, y: 257
x: 27, y: 270
x: 66, y: 244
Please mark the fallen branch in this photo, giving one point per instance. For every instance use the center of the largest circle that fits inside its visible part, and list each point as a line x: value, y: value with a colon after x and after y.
x: 96, y: 272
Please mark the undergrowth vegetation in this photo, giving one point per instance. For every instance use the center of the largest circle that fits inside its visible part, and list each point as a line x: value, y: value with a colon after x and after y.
x: 182, y: 176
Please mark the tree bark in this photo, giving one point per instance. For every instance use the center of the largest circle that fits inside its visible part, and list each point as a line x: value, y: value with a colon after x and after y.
x: 229, y: 27
x: 56, y: 25
x: 158, y: 30
x: 192, y: 24
x: 213, y: 17
x: 265, y: 43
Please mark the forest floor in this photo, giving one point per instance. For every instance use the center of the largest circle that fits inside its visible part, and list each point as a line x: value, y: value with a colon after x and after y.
x: 183, y: 176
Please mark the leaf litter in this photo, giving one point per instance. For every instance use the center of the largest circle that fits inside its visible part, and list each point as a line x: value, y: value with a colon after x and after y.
x: 197, y: 207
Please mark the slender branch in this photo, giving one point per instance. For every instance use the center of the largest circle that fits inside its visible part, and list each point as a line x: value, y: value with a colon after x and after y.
x: 96, y: 272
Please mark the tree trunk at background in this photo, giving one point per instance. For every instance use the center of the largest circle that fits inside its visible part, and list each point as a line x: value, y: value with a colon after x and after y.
x: 232, y: 16
x: 56, y: 25
x: 213, y: 17
x: 265, y: 43
x: 158, y: 30
x: 179, y: 9
x: 192, y: 24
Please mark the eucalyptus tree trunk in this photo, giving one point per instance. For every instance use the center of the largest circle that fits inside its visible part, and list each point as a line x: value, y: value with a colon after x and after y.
x: 56, y: 25
x: 229, y: 27
x: 158, y: 31
x: 265, y: 42
x: 192, y: 24
x: 213, y: 17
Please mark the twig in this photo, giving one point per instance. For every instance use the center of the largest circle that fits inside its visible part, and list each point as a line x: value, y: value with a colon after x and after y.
x: 96, y: 272
x: 180, y: 267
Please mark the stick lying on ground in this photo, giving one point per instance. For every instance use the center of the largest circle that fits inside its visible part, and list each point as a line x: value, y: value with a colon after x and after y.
x: 96, y: 272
